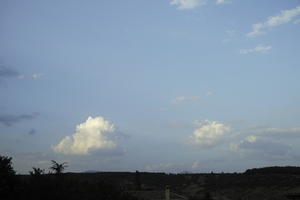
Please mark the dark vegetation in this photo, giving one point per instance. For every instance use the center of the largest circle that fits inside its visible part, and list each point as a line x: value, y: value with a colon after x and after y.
x: 54, y: 185
x: 275, y: 170
x: 263, y: 183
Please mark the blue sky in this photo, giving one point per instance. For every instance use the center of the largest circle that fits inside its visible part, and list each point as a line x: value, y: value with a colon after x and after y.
x: 165, y: 85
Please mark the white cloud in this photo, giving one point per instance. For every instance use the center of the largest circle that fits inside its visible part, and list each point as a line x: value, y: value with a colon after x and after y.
x: 93, y: 134
x: 207, y: 94
x: 208, y: 133
x: 259, y: 49
x: 219, y: 2
x: 256, y: 30
x: 251, y: 139
x: 187, y: 4
x: 184, y: 99
x: 284, y: 17
x: 33, y: 76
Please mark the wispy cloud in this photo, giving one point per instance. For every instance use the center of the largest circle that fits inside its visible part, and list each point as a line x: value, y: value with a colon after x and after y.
x: 182, y: 99
x: 33, y: 76
x: 284, y: 17
x: 9, y: 120
x: 230, y: 34
x: 93, y: 134
x: 209, y: 133
x: 6, y: 72
x: 185, y: 99
x: 258, y: 49
x: 187, y: 4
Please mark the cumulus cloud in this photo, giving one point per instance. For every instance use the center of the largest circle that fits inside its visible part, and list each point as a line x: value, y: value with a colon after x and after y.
x: 184, y: 99
x: 187, y: 4
x: 284, y: 17
x: 209, y: 133
x: 93, y: 134
x: 258, y: 49
x: 9, y: 120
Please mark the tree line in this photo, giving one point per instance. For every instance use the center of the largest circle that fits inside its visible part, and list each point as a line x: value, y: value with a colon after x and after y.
x: 53, y: 185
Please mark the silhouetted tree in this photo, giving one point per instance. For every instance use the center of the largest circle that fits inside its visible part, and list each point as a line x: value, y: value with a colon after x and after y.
x: 7, y: 178
x: 37, y: 172
x: 58, y: 168
x: 6, y: 168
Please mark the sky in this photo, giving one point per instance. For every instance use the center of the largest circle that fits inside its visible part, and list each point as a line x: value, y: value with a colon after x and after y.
x: 160, y: 86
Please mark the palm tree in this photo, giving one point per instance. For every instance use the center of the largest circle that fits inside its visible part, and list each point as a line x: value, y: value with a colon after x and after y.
x: 58, y: 168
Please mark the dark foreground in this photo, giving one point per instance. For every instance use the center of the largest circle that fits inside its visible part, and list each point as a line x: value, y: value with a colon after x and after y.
x: 267, y: 183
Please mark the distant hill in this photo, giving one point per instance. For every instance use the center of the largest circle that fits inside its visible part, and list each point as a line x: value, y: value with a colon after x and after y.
x: 288, y: 170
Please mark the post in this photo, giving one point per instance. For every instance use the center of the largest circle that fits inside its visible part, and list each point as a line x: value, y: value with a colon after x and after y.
x: 167, y: 192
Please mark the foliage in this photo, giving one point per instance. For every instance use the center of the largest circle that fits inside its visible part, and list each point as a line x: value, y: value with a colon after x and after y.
x: 7, y: 178
x: 37, y: 172
x: 58, y: 168
x: 6, y: 168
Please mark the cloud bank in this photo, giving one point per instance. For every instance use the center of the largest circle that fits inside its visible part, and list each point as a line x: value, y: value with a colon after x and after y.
x: 284, y: 17
x: 209, y: 133
x: 260, y: 147
x: 93, y: 134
